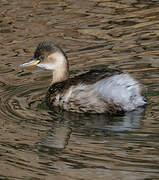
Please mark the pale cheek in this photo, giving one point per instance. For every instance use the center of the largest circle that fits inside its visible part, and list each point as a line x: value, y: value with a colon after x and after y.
x: 46, y: 66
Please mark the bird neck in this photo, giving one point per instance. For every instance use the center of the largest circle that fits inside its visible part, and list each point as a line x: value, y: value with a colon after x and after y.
x: 61, y: 73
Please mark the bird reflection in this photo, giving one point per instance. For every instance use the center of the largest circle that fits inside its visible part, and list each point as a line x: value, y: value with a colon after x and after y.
x: 57, y: 138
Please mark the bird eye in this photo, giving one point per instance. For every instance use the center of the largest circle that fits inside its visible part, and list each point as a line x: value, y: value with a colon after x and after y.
x: 41, y: 57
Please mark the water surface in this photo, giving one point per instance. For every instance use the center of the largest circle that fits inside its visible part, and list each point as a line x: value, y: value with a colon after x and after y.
x: 36, y: 143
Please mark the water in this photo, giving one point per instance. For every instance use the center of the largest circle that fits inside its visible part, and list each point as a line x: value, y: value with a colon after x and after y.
x: 38, y: 144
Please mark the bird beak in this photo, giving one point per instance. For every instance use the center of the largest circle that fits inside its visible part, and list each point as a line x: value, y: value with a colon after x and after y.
x: 32, y: 62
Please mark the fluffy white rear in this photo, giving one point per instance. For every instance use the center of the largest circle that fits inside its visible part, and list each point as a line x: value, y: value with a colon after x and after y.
x: 121, y: 90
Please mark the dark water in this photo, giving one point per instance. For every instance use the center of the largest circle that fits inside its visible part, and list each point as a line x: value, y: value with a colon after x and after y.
x: 38, y: 144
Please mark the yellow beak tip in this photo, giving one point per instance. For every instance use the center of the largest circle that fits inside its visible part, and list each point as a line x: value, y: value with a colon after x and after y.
x: 30, y: 63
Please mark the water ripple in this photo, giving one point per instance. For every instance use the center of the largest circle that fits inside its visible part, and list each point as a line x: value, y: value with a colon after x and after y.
x: 39, y: 144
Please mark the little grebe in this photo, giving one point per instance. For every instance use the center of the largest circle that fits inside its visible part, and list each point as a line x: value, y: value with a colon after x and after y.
x: 96, y: 91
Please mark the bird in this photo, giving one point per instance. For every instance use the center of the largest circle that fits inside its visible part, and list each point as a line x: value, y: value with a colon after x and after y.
x: 104, y: 90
